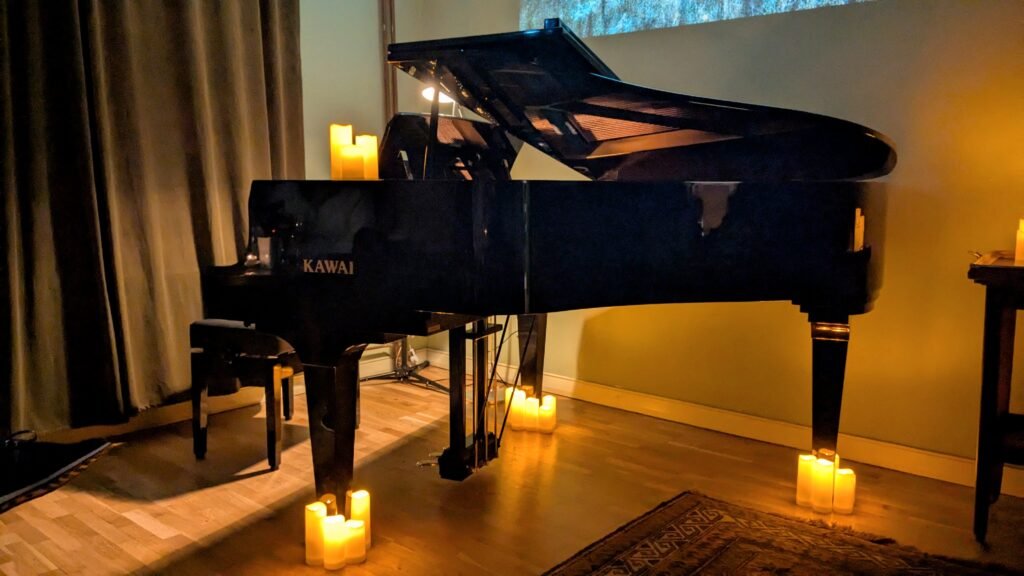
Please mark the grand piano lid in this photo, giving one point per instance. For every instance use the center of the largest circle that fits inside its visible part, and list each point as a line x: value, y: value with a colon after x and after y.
x: 548, y: 89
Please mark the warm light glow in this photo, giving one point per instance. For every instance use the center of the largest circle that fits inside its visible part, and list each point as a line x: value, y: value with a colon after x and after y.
x: 428, y: 93
x: 845, y: 491
x: 368, y: 142
x: 821, y: 491
x: 315, y: 513
x: 341, y: 135
x: 360, y: 510
x: 516, y: 417
x: 804, y: 479
x: 355, y: 544
x: 335, y: 542
x: 547, y: 416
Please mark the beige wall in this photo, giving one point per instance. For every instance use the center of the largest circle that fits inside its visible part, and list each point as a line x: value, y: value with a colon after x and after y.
x: 945, y: 80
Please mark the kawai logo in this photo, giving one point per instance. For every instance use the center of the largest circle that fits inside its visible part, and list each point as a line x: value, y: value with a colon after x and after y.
x: 326, y: 266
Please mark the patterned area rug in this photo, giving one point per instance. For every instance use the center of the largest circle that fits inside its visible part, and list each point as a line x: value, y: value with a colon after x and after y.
x: 694, y: 534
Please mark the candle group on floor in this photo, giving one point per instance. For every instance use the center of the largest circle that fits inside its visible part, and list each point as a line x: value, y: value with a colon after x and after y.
x: 332, y: 540
x: 352, y: 160
x: 823, y: 486
x: 531, y: 414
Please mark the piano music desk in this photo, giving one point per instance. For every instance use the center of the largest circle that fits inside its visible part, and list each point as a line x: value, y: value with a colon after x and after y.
x: 1000, y: 433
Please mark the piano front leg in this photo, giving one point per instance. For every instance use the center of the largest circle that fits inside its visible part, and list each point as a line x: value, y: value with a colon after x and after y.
x: 829, y: 341
x: 331, y: 398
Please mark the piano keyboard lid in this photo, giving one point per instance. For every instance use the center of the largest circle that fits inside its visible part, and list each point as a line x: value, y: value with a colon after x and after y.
x: 547, y: 88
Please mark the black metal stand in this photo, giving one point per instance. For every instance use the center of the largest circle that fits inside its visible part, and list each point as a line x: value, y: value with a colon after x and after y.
x: 406, y: 373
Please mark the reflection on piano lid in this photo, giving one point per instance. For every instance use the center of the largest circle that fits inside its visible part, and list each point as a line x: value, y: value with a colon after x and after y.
x: 548, y: 89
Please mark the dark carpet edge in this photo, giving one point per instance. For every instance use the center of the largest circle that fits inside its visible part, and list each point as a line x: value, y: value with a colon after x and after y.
x: 52, y: 482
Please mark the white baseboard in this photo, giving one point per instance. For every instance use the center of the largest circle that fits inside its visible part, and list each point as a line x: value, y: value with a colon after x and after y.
x: 955, y: 469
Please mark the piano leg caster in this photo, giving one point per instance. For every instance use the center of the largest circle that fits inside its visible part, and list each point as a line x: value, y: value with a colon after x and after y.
x: 829, y: 341
x: 331, y: 397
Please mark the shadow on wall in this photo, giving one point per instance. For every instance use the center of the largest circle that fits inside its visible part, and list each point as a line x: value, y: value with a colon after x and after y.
x: 719, y: 355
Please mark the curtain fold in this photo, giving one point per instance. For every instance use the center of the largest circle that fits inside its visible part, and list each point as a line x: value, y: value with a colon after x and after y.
x: 132, y: 133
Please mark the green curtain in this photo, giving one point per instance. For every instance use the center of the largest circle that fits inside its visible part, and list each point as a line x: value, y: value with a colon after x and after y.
x: 130, y: 134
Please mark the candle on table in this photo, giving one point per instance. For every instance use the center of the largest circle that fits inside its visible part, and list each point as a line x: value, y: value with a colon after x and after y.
x: 547, y: 417
x: 360, y: 510
x: 1018, y: 252
x: 368, y: 142
x: 518, y: 404
x: 531, y: 413
x: 315, y: 513
x: 821, y: 491
x: 804, y: 481
x: 845, y: 491
x: 352, y: 162
x: 355, y: 545
x: 335, y: 541
x: 341, y: 135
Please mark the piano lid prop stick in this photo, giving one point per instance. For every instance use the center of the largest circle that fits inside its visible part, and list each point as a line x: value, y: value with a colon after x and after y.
x: 341, y: 135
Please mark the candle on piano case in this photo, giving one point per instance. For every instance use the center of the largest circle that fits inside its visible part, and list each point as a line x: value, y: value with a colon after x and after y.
x: 821, y: 490
x: 516, y: 416
x: 315, y: 513
x: 352, y: 162
x: 547, y: 416
x: 804, y: 479
x: 355, y: 544
x: 335, y: 541
x: 1018, y: 251
x: 845, y: 491
x: 531, y: 414
x: 368, y: 142
x: 341, y: 135
x: 359, y: 509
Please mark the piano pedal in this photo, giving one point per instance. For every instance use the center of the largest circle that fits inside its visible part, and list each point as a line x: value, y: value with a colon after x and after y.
x: 426, y: 463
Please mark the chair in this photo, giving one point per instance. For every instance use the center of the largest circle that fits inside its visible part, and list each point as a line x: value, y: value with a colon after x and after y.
x: 227, y: 355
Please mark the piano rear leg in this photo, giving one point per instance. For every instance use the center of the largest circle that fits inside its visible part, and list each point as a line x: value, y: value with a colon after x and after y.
x: 829, y: 341
x: 200, y: 403
x: 532, y: 335
x: 331, y: 393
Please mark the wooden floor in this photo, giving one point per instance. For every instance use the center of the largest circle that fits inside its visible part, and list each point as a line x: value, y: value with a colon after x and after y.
x: 147, y: 506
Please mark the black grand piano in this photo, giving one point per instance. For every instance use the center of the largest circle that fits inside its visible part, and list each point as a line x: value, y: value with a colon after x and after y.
x: 690, y: 200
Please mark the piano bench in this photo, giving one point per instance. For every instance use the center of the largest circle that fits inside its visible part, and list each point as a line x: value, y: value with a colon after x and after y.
x: 227, y: 355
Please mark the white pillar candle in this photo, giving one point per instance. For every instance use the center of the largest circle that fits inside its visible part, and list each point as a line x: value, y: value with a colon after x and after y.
x: 355, y: 545
x: 821, y: 491
x: 546, y: 419
x: 845, y: 491
x: 335, y: 541
x: 368, y: 142
x: 315, y: 513
x: 352, y: 162
x: 1018, y: 251
x: 359, y: 509
x: 531, y: 413
x: 341, y: 135
x: 508, y: 396
x: 804, y: 481
x: 515, y: 417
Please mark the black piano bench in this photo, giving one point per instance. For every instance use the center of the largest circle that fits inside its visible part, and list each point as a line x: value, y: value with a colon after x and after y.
x: 227, y: 355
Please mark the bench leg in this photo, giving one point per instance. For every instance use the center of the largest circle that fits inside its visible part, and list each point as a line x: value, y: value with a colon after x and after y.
x: 288, y: 396
x: 274, y: 410
x: 200, y: 404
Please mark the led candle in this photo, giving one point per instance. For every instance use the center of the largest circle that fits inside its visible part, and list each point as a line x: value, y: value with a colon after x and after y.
x: 352, y: 162
x: 515, y: 418
x: 547, y: 417
x: 821, y: 490
x: 331, y: 502
x: 368, y: 142
x: 845, y: 491
x: 341, y: 135
x: 315, y: 513
x: 355, y: 545
x: 359, y: 509
x: 1018, y: 252
x: 531, y: 412
x: 335, y: 541
x: 508, y: 396
x: 804, y: 481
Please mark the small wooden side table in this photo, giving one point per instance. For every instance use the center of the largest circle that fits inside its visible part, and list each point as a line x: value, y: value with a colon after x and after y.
x: 1000, y: 433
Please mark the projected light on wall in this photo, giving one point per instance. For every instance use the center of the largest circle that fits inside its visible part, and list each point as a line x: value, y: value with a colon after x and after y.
x: 603, y: 17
